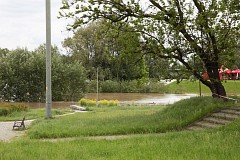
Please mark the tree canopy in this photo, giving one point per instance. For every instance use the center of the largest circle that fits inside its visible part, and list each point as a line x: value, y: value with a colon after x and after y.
x: 115, y: 53
x: 22, y: 76
x: 196, y: 34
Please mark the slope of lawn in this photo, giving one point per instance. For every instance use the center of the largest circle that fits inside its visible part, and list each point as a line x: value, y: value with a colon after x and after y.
x: 215, y: 144
x: 127, y: 120
x: 232, y: 87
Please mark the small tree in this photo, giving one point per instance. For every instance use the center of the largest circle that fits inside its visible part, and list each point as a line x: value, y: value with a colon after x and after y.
x: 173, y: 29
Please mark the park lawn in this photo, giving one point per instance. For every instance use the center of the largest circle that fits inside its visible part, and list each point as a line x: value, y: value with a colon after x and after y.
x: 232, y: 87
x: 216, y: 144
x: 221, y: 144
x: 127, y: 120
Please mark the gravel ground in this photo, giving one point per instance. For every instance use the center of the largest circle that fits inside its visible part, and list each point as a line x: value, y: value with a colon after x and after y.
x: 7, y: 133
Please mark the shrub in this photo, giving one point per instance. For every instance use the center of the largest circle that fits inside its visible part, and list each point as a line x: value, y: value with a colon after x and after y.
x: 83, y: 102
x: 153, y: 87
x: 91, y: 103
x: 87, y: 102
x: 133, y: 86
x: 113, y: 103
x: 92, y: 86
x: 103, y: 103
x: 130, y: 86
x: 7, y: 108
x: 110, y: 86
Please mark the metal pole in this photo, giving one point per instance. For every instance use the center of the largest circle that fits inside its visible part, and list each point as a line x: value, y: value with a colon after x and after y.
x: 48, y: 60
x: 97, y: 89
x: 200, y: 88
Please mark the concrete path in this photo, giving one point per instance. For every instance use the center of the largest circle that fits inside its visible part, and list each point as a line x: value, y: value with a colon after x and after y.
x: 7, y: 133
x: 216, y: 119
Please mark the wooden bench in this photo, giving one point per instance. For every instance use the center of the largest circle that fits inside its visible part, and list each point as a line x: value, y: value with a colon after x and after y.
x: 19, y: 124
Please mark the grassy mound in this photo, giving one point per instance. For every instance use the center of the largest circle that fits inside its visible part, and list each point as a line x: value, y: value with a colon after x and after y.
x: 215, y: 144
x: 127, y: 120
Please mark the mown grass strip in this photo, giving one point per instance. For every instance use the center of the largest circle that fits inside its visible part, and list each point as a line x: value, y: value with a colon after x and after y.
x: 219, y: 144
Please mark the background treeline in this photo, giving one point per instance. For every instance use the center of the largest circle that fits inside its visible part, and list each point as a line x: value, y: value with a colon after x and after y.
x: 23, y: 73
x: 122, y: 66
x: 117, y: 53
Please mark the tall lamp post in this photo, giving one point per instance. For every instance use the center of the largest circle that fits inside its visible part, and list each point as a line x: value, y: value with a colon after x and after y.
x: 97, y: 89
x: 48, y: 60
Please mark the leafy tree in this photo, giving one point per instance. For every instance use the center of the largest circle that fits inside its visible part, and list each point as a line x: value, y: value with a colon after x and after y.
x: 14, y: 73
x: 23, y: 74
x: 75, y: 81
x: 3, y: 52
x: 173, y: 29
x: 68, y: 77
x: 36, y: 76
x: 87, y: 46
x: 114, y: 52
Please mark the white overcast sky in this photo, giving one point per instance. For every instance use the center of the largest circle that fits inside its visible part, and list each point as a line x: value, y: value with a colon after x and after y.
x: 23, y: 24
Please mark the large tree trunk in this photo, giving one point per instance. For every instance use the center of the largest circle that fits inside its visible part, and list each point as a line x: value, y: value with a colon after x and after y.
x: 215, y: 85
x: 218, y: 90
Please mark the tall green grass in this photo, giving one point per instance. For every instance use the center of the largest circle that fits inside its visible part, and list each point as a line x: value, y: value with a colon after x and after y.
x: 119, y: 121
x: 8, y: 108
x: 218, y: 144
x: 215, y: 144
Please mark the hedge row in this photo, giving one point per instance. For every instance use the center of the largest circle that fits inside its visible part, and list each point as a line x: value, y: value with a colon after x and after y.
x: 134, y: 86
x: 8, y: 108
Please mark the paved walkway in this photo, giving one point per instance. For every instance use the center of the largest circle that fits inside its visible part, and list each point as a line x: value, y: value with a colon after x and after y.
x: 6, y: 130
x: 7, y: 133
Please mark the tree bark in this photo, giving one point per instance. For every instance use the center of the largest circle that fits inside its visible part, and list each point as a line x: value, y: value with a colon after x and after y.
x: 216, y: 87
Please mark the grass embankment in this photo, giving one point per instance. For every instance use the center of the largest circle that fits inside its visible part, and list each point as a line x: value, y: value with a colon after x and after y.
x: 216, y: 144
x: 127, y: 120
x: 232, y: 87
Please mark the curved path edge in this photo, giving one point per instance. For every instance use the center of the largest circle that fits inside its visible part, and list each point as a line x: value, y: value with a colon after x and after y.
x: 7, y: 133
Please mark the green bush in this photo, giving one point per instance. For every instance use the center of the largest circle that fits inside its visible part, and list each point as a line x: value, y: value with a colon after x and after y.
x: 110, y: 86
x: 90, y: 103
x: 92, y: 86
x: 103, y: 103
x: 87, y: 102
x: 130, y: 86
x: 153, y: 87
x: 113, y: 103
x: 135, y: 86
